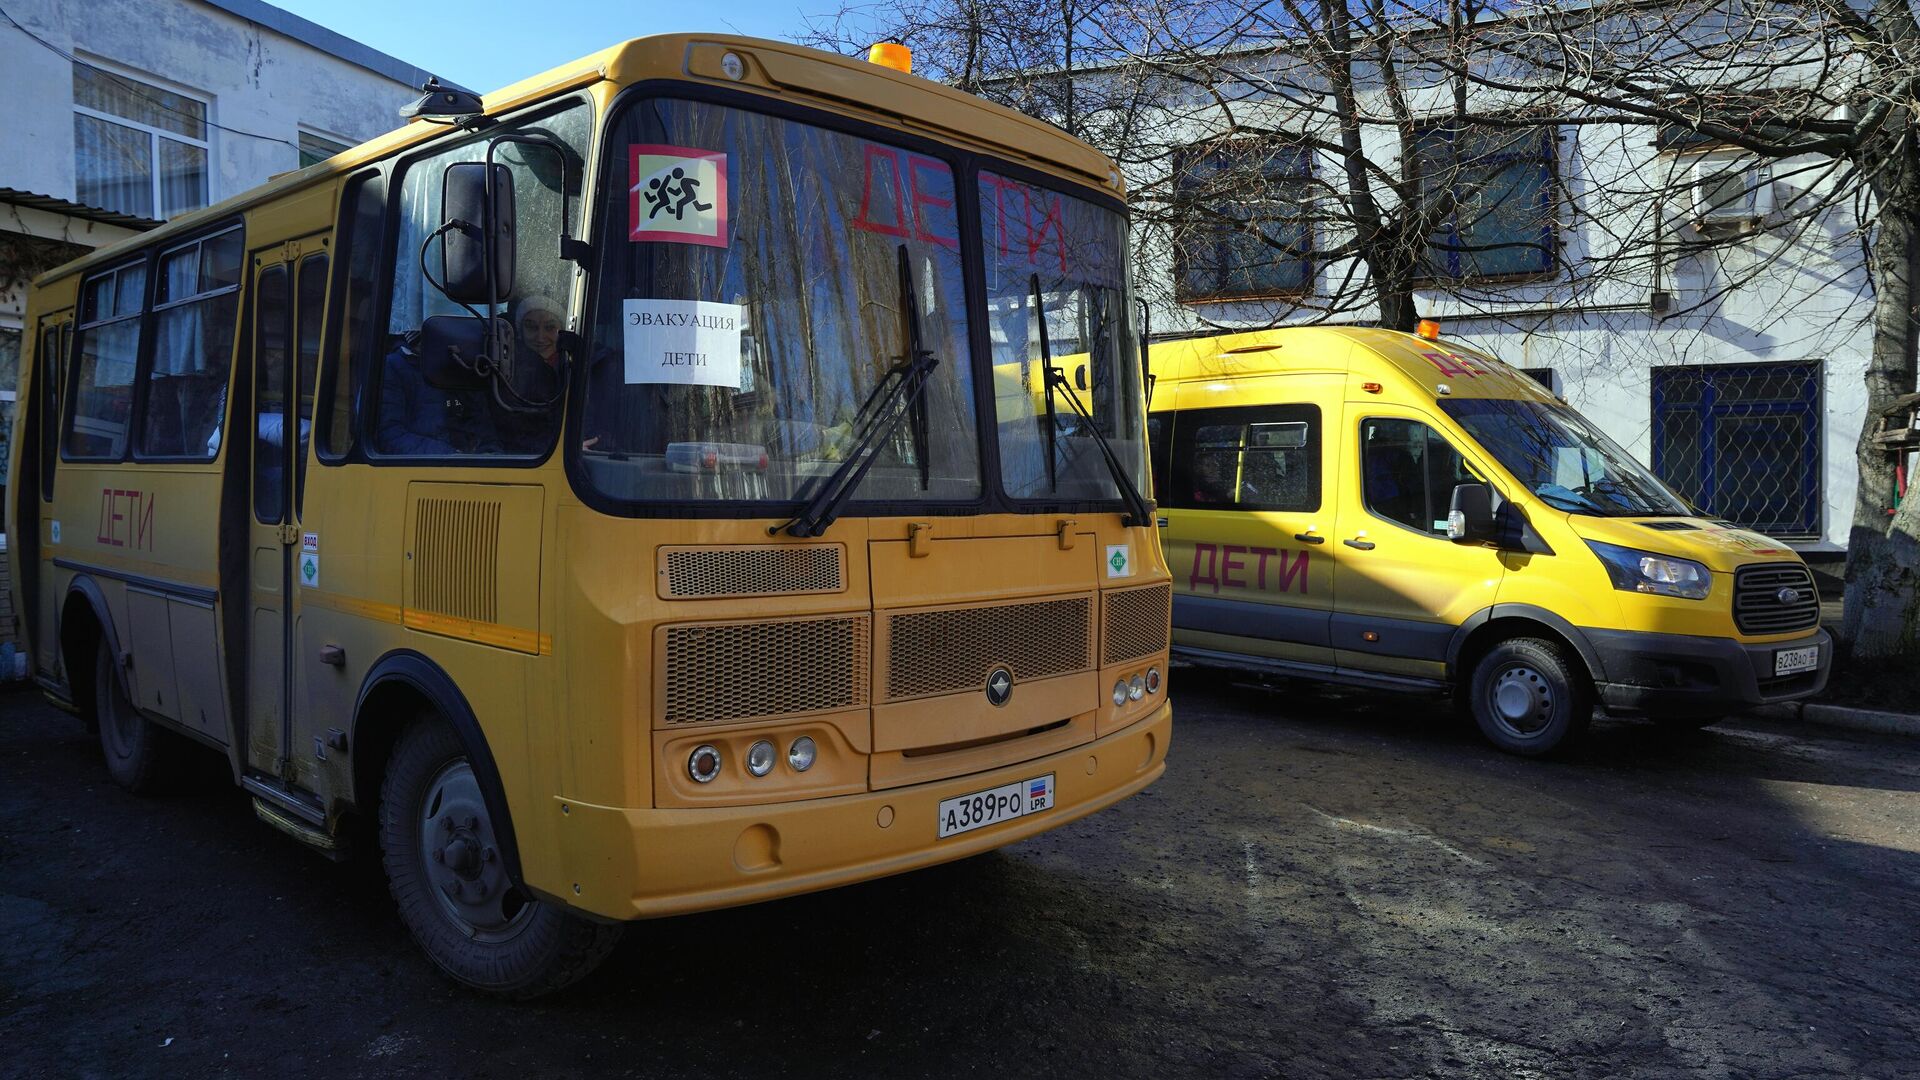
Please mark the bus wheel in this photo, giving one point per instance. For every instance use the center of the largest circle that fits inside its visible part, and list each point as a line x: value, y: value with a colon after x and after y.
x: 141, y: 756
x: 447, y: 875
x: 1528, y: 698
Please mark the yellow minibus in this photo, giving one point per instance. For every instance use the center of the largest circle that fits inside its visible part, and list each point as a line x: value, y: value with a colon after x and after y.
x: 1395, y: 510
x: 600, y: 494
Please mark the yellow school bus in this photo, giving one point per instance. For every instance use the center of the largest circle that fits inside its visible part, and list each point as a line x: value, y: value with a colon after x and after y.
x: 599, y: 492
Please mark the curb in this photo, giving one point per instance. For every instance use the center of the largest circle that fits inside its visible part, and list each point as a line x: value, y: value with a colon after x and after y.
x: 1841, y: 716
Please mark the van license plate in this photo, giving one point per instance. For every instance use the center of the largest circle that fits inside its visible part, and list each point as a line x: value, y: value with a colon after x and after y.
x: 1004, y: 803
x: 1794, y: 661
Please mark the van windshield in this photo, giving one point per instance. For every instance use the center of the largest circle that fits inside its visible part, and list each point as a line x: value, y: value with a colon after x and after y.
x: 1562, y: 458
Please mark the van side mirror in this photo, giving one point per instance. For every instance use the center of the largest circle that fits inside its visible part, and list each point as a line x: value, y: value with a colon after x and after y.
x: 477, y: 224
x: 1470, y: 515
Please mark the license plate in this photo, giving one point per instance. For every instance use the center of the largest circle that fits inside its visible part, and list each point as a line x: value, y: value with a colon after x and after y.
x: 1792, y: 661
x: 1004, y: 803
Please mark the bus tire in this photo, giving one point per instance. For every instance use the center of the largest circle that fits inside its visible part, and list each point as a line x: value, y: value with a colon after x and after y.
x: 141, y: 756
x: 446, y: 875
x: 1529, y: 698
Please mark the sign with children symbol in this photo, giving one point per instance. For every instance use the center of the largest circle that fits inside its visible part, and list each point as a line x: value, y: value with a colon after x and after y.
x: 677, y: 195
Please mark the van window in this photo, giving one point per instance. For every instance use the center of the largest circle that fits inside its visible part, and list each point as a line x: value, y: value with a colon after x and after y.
x: 1408, y: 472
x: 1262, y: 457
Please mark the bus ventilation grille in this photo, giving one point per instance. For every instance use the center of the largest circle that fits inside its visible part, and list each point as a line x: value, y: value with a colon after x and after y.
x: 1136, y: 623
x: 750, y: 670
x: 760, y: 570
x: 940, y: 652
x: 456, y: 558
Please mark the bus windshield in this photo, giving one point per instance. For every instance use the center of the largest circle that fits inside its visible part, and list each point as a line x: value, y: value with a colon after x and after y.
x: 1562, y: 458
x: 756, y: 293
x: 751, y: 306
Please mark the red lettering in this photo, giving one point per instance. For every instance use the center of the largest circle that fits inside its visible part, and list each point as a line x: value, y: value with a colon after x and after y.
x: 1051, y: 215
x: 1265, y: 554
x: 892, y: 177
x: 1453, y: 365
x: 1289, y: 570
x: 1228, y: 565
x: 103, y: 534
x: 143, y: 523
x: 1195, y: 578
x: 941, y: 180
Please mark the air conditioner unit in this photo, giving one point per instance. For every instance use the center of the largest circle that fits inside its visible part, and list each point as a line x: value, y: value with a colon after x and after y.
x: 1730, y: 189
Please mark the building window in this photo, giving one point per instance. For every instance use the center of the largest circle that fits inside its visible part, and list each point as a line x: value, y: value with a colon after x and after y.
x: 1742, y: 442
x: 1247, y: 221
x: 138, y: 149
x: 1541, y: 375
x: 315, y: 149
x: 1498, y: 185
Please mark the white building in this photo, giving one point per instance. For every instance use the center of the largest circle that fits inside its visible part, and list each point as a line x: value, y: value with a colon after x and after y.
x: 119, y: 114
x: 1737, y: 373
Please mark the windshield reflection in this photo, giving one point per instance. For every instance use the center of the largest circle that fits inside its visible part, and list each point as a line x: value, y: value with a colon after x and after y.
x: 1562, y: 458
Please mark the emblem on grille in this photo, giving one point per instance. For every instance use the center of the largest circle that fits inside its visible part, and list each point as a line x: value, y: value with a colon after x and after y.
x: 1788, y: 595
x: 999, y: 686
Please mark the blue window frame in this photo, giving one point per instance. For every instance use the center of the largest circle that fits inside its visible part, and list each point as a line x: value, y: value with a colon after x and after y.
x: 1742, y: 442
x: 1501, y: 222
x: 1247, y: 213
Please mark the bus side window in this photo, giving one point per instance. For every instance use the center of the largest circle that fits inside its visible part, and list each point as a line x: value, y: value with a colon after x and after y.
x: 47, y: 369
x: 195, y: 305
x: 101, y: 387
x: 364, y: 213
x: 312, y: 304
x: 270, y: 395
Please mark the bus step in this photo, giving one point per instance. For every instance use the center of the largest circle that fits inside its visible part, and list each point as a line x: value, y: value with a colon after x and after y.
x: 333, y: 847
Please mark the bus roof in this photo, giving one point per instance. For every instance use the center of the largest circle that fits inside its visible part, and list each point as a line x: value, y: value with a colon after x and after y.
x: 1409, y: 362
x: 772, y: 68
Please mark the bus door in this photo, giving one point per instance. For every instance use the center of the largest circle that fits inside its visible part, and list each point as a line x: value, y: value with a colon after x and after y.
x: 289, y: 294
x: 39, y: 526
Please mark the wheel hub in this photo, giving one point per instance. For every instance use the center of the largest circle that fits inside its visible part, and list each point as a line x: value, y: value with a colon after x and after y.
x: 462, y: 857
x: 1522, y: 700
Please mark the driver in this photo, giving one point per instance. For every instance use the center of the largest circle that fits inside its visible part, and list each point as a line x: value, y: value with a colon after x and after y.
x: 417, y: 418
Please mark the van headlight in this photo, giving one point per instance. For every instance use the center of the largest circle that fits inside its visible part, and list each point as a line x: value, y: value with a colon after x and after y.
x: 1647, y: 572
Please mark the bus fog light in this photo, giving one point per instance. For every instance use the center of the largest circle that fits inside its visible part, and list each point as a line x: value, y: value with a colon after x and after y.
x: 703, y: 764
x: 1137, y: 688
x: 800, y: 755
x: 760, y: 758
x: 1153, y: 680
x: 1120, y: 692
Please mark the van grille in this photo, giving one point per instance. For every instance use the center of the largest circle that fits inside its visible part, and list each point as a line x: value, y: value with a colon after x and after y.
x: 456, y: 558
x: 1757, y: 607
x: 940, y: 652
x: 744, y: 670
x: 758, y: 570
x: 1136, y: 623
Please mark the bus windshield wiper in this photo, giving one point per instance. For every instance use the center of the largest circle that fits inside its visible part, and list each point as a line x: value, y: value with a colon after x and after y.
x: 900, y: 393
x: 1138, y: 512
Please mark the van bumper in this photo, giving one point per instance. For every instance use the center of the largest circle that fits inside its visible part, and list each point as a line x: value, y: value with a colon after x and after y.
x: 627, y: 863
x: 1683, y: 675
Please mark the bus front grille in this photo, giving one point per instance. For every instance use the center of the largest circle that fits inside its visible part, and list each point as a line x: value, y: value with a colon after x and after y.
x: 754, y: 670
x: 708, y: 573
x: 953, y: 649
x: 1761, y: 604
x: 1135, y: 623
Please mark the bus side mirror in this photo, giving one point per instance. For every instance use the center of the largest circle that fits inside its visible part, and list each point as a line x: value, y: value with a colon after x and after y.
x: 477, y: 223
x: 1470, y: 515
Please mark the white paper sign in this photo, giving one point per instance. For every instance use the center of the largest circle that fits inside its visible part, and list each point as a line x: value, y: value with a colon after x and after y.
x: 683, y: 342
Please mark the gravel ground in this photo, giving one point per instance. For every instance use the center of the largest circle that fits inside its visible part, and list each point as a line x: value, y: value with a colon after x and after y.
x: 1324, y: 885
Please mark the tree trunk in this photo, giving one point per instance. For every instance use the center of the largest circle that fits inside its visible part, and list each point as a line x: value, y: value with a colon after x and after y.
x: 1882, y: 615
x: 1396, y: 309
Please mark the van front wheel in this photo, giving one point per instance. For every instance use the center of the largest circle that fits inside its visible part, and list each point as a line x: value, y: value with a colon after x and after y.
x: 1529, y: 697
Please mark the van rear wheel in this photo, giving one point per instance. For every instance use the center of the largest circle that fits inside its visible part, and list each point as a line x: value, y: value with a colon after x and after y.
x: 440, y: 848
x: 1529, y: 698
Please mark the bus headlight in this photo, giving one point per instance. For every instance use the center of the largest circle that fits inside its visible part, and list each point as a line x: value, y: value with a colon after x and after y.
x: 800, y: 755
x: 704, y: 763
x: 1120, y: 693
x: 760, y: 758
x: 1647, y: 572
x: 1137, y: 688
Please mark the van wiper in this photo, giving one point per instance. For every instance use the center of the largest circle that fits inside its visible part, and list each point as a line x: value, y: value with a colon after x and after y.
x: 1138, y: 512
x: 901, y: 393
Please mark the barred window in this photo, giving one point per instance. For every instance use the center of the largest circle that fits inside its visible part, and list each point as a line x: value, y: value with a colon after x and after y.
x: 1246, y: 210
x: 1742, y: 442
x: 1498, y: 183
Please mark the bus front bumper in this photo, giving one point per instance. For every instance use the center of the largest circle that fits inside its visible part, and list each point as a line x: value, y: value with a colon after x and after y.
x: 643, y: 863
x: 1681, y: 675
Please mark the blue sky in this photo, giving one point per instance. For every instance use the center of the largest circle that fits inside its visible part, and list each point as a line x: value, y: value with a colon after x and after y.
x: 486, y: 44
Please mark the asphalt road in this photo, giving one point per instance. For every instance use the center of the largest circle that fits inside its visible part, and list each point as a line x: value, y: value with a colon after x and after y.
x: 1323, y: 885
